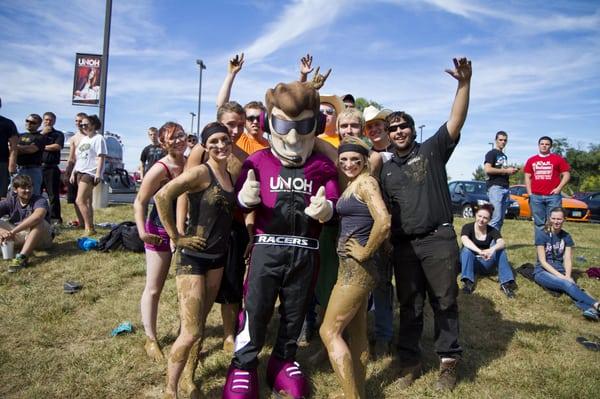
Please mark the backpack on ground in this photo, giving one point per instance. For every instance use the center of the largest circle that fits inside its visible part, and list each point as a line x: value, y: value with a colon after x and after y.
x: 124, y: 235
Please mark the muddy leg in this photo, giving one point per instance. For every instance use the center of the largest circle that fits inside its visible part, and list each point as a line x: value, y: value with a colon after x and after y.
x: 344, y: 304
x: 359, y: 346
x: 191, y: 292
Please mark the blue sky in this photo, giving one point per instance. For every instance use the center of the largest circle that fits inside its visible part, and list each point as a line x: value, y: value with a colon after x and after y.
x: 536, y: 64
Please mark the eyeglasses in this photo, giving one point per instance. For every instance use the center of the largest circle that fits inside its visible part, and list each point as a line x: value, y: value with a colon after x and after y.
x: 303, y: 127
x: 252, y: 118
x: 402, y: 126
x: 328, y: 111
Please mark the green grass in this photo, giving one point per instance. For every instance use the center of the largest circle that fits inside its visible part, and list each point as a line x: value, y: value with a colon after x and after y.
x: 54, y: 345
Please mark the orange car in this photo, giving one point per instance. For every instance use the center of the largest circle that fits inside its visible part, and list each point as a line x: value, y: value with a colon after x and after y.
x: 577, y: 211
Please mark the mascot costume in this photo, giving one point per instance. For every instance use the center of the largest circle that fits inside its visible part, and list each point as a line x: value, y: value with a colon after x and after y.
x: 293, y: 191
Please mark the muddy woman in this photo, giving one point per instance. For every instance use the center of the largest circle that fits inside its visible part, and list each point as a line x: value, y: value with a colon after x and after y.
x: 201, y: 253
x: 364, y: 225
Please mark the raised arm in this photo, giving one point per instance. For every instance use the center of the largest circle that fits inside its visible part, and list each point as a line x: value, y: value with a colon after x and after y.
x: 235, y: 65
x: 305, y: 67
x: 462, y: 73
x: 368, y: 191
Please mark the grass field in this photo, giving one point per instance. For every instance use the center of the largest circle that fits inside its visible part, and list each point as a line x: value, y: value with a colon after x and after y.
x: 54, y: 345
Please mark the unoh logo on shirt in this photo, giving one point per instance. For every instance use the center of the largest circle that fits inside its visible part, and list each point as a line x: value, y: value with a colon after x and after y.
x: 288, y: 184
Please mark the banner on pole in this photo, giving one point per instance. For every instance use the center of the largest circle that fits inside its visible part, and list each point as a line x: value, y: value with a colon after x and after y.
x: 86, y: 83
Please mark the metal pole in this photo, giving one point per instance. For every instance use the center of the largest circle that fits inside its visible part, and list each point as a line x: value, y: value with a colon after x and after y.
x: 104, y: 72
x: 192, y: 127
x: 421, y: 129
x: 202, y: 66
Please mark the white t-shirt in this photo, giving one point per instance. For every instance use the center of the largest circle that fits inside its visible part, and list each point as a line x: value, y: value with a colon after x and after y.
x: 86, y: 153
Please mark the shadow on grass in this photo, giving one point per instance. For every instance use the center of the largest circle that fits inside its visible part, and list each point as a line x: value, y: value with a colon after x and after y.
x: 64, y: 249
x: 486, y: 335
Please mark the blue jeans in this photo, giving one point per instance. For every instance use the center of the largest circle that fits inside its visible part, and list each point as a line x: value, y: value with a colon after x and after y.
x: 546, y: 279
x: 541, y: 205
x: 498, y: 197
x: 36, y: 177
x: 471, y: 265
x: 383, y: 296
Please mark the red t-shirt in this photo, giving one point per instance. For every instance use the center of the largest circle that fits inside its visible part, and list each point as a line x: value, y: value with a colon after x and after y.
x: 545, y: 172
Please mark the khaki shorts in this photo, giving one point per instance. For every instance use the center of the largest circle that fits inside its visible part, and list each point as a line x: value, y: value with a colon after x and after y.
x: 44, y: 242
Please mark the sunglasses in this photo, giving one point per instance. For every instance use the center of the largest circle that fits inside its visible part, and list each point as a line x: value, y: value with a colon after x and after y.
x: 253, y: 118
x: 302, y: 127
x: 84, y: 125
x: 192, y: 140
x: 393, y: 128
x: 328, y: 111
x: 30, y: 121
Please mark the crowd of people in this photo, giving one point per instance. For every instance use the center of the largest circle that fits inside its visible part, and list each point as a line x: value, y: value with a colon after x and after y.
x: 305, y: 200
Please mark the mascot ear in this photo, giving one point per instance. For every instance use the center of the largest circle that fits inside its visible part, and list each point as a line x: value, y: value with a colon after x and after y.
x: 321, y: 122
x: 263, y: 121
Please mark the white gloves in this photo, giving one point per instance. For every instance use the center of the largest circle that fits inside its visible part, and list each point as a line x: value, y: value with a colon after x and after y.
x: 320, y: 208
x: 249, y: 195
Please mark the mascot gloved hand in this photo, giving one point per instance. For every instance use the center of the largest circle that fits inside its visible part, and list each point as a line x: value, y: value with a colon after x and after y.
x: 320, y: 208
x: 249, y: 195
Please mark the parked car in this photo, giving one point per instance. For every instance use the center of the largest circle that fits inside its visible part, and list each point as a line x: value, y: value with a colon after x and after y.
x: 576, y: 211
x: 593, y: 202
x: 468, y: 195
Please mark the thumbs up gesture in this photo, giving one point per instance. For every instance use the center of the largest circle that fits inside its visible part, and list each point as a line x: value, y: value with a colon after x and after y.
x: 320, y: 208
x: 249, y: 195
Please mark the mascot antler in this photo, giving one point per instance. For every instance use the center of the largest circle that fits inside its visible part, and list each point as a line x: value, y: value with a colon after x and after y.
x: 319, y: 80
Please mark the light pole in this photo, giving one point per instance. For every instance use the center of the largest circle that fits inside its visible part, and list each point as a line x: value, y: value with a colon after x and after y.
x: 192, y: 127
x: 492, y: 144
x: 202, y: 66
x: 421, y: 130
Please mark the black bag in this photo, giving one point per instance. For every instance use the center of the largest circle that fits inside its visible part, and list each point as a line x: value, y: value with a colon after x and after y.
x: 124, y: 235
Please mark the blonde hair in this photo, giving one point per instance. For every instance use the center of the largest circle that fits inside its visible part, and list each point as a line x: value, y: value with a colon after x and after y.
x: 352, y: 188
x: 351, y: 113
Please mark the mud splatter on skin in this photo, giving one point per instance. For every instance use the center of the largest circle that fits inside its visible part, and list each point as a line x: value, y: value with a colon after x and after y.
x: 347, y: 310
x: 190, y: 291
x: 351, y: 272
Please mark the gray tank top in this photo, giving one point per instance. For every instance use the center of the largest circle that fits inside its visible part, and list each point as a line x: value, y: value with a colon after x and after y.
x: 355, y: 221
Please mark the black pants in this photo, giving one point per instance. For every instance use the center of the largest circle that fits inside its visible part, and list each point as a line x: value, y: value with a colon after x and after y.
x: 231, y: 288
x: 284, y: 271
x: 51, y: 182
x: 428, y: 266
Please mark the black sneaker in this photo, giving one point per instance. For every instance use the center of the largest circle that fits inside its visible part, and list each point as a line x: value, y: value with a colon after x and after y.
x: 468, y: 286
x: 508, y: 289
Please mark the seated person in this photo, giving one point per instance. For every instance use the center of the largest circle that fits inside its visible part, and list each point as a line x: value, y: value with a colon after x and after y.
x: 483, y: 251
x: 28, y: 222
x: 555, y: 264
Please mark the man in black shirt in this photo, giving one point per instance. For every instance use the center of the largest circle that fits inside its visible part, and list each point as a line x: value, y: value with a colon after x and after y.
x: 414, y: 184
x: 30, y: 150
x: 497, y: 170
x: 151, y: 153
x: 9, y: 137
x: 55, y: 141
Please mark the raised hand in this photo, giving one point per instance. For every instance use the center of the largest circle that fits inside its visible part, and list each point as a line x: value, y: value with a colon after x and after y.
x: 462, y: 69
x: 319, y: 80
x: 249, y: 195
x: 235, y: 64
x: 306, y: 64
x: 319, y: 209
x: 192, y: 242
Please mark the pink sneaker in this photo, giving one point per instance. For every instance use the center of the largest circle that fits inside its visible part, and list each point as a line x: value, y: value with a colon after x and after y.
x: 241, y: 384
x: 286, y: 379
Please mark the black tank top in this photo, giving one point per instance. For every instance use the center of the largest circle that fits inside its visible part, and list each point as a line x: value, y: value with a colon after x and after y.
x: 153, y: 217
x: 355, y: 221
x: 210, y: 215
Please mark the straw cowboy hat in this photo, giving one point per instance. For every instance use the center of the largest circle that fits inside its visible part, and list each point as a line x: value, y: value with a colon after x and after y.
x: 372, y: 113
x: 334, y: 100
